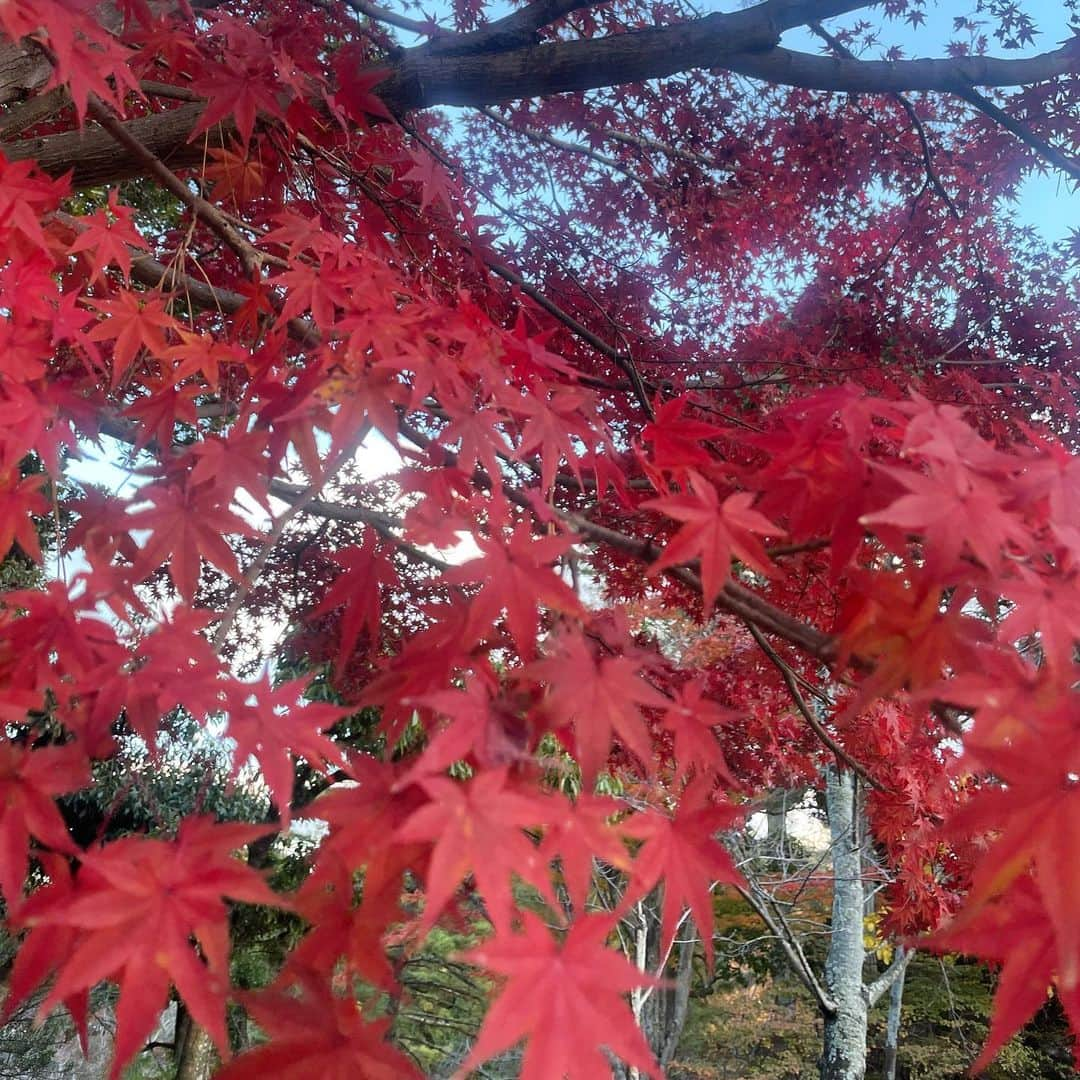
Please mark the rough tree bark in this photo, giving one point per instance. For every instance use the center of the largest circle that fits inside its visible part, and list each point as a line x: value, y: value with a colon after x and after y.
x: 843, y: 1054
x: 196, y: 1058
x: 892, y: 1023
x: 677, y: 999
x: 489, y: 67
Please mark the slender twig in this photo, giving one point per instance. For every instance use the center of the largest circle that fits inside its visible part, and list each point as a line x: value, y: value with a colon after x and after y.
x: 402, y: 22
x: 258, y: 564
x: 1037, y: 143
x: 250, y: 257
x: 805, y: 711
x: 777, y: 925
x: 543, y: 139
x: 932, y: 177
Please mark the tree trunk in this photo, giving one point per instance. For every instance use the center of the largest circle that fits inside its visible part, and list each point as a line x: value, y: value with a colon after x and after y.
x: 678, y: 999
x: 844, y: 1053
x: 892, y: 1025
x: 196, y: 1057
x: 660, y: 1012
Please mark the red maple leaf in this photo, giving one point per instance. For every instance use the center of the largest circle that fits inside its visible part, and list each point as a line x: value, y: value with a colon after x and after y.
x: 478, y: 828
x: 316, y: 1033
x: 714, y: 532
x: 137, y: 903
x: 1015, y: 932
x: 158, y: 413
x: 20, y: 501
x: 355, y: 82
x: 236, y: 461
x: 357, y: 591
x: 676, y: 440
x: 46, y: 948
x: 433, y: 179
x: 599, y: 698
x: 693, y: 721
x: 550, y: 427
x: 364, y: 819
x: 488, y: 730
x: 951, y: 507
x: 186, y: 525
x: 238, y: 92
x: 566, y: 999
x: 684, y: 853
x: 235, y: 173
x: 1034, y: 819
x: 587, y: 831
x: 270, y: 725
x: 201, y: 354
x: 108, y: 234
x: 29, y: 780
x: 1046, y: 603
x: 135, y: 321
x: 515, y: 577
x: 88, y: 60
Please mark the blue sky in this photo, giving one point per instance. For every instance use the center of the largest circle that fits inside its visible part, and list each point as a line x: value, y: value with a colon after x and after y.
x: 1047, y: 201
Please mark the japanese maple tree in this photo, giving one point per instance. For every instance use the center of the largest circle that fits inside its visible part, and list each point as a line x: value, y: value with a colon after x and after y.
x: 660, y: 314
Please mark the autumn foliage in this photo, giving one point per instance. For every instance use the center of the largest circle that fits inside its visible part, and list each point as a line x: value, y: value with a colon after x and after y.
x: 777, y: 364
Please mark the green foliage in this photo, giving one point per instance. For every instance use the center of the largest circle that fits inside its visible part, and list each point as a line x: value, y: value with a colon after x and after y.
x: 136, y: 792
x: 766, y: 1030
x: 757, y: 1023
x: 444, y: 1003
x: 945, y: 1020
x: 156, y: 209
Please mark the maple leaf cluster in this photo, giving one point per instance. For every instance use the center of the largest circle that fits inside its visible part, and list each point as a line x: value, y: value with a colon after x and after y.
x: 680, y: 423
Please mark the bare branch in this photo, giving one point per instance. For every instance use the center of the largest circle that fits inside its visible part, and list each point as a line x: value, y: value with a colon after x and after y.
x: 392, y: 18
x: 896, y: 76
x: 872, y: 993
x: 774, y: 919
x: 789, y: 677
x: 296, y: 506
x: 511, y: 31
x: 1046, y: 150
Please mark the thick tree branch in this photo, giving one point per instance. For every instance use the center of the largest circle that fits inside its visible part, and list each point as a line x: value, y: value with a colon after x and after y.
x: 389, y: 528
x: 1050, y: 153
x: 423, y: 77
x: 95, y: 157
x: 895, y: 76
x: 743, y: 42
x: 1045, y: 150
